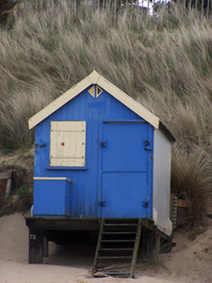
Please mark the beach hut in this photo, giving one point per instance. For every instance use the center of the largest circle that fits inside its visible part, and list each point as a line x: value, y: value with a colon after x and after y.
x: 99, y: 154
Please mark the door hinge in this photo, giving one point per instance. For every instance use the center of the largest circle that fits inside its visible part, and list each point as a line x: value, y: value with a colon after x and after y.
x: 41, y: 144
x: 102, y: 203
x: 147, y: 145
x: 146, y: 202
x: 103, y: 144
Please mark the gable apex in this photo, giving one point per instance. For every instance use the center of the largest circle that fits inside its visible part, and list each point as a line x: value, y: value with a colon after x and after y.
x: 95, y: 79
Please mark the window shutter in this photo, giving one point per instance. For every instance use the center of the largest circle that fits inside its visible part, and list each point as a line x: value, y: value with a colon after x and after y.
x: 67, y: 144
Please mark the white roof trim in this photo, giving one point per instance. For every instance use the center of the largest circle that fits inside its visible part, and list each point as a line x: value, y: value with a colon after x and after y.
x: 94, y: 78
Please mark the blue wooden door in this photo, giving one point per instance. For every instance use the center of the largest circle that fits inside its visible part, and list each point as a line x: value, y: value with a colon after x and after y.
x: 124, y: 170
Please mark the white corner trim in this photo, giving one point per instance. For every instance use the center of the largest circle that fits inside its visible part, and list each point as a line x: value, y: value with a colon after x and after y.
x: 52, y: 179
x: 155, y: 215
x: 94, y: 77
x: 169, y: 226
x: 167, y: 229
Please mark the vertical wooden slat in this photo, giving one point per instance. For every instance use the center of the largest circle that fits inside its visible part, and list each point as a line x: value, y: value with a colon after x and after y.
x: 207, y: 10
x: 153, y: 10
x: 184, y: 4
x: 69, y: 4
x: 48, y: 5
x: 114, y: 9
x: 42, y: 5
x: 75, y: 7
x: 45, y: 246
x: 126, y: 4
x: 148, y: 9
x: 211, y: 7
x: 195, y: 7
x: 202, y: 7
x: 52, y: 8
x: 189, y: 5
x: 38, y: 5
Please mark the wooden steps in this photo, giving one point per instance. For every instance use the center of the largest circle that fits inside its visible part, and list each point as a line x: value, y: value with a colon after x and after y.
x: 118, y: 242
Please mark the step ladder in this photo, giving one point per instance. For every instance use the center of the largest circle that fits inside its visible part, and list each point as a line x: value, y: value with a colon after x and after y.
x: 118, y: 241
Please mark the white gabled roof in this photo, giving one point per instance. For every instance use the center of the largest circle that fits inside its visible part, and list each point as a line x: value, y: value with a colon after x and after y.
x: 95, y: 78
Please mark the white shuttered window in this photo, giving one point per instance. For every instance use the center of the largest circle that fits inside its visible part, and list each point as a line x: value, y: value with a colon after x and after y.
x: 67, y: 144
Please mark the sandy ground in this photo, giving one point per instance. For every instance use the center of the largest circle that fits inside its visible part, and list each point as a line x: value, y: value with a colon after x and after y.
x: 190, y: 261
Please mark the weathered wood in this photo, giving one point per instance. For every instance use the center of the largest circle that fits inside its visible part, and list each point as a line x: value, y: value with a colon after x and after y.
x: 113, y: 251
x: 45, y: 246
x: 116, y: 6
x: 98, y: 247
x: 8, y: 188
x: 146, y: 244
x: 54, y: 223
x: 153, y: 240
x: 5, y: 175
x: 65, y: 223
x: 136, y: 247
x: 35, y: 246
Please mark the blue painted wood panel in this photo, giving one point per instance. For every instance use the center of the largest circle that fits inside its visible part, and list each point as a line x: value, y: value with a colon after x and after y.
x: 123, y: 195
x: 124, y: 150
x: 124, y: 173
x: 52, y: 198
x: 86, y: 182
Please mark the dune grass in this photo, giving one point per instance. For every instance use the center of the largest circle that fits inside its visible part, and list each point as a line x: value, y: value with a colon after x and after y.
x: 165, y: 63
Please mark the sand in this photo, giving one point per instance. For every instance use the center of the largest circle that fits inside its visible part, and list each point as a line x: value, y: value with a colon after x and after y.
x: 190, y: 261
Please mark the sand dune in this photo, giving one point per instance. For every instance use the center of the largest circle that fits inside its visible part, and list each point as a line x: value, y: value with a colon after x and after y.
x: 190, y: 261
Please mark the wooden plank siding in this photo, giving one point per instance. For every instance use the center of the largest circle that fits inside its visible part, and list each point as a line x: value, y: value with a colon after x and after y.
x: 86, y: 183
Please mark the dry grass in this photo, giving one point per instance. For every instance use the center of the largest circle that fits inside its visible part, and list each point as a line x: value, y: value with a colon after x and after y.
x: 191, y: 180
x: 165, y: 63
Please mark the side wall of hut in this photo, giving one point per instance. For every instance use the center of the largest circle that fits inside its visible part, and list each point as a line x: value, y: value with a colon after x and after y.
x: 161, y: 181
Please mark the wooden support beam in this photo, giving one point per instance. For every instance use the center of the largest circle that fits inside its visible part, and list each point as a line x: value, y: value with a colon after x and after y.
x: 35, y: 246
x: 56, y: 223
x: 45, y: 246
x: 5, y: 175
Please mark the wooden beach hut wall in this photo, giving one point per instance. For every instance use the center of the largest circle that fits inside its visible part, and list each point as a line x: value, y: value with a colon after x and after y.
x: 100, y: 154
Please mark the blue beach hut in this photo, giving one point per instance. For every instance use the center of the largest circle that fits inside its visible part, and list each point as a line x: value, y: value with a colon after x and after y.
x: 99, y: 155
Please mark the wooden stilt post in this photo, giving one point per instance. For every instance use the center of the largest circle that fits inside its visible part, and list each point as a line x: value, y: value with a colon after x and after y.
x: 35, y: 246
x: 45, y: 246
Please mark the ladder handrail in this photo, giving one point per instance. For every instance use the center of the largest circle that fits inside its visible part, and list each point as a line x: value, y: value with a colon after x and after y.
x: 98, y: 247
x: 136, y: 247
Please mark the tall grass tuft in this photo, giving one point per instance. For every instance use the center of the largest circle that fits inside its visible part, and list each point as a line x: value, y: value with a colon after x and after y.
x: 165, y: 63
x: 191, y: 181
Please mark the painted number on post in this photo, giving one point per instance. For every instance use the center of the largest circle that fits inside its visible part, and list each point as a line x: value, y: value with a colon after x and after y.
x: 32, y: 237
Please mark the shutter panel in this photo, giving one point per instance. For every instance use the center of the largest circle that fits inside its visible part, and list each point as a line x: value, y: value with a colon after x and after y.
x: 67, y: 145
